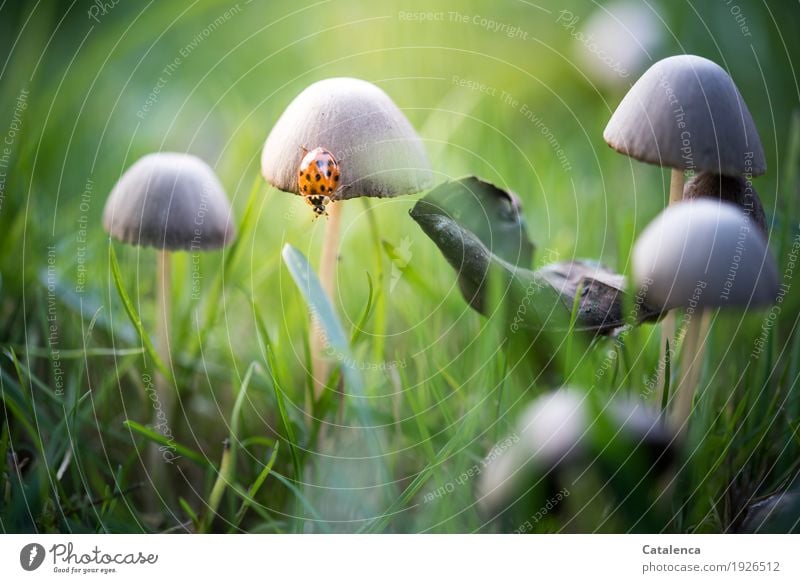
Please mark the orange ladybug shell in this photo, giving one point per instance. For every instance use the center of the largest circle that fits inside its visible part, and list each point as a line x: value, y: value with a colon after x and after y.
x: 318, y: 174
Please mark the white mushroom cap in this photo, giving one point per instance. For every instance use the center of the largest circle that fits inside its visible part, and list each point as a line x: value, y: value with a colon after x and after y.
x: 170, y: 201
x: 379, y: 152
x: 616, y: 43
x: 704, y: 253
x: 560, y: 430
x: 685, y: 112
x: 551, y: 431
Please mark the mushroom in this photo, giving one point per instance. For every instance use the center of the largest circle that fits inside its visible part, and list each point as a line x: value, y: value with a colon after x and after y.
x: 702, y: 254
x: 616, y: 42
x: 173, y: 202
x: 686, y: 113
x: 563, y: 434
x: 371, y: 144
x: 738, y: 190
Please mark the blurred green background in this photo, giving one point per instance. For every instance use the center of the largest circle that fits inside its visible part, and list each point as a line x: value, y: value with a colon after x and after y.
x: 502, y: 90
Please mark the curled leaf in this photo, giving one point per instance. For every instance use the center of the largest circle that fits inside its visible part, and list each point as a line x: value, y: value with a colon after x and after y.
x: 492, y: 214
x: 479, y: 230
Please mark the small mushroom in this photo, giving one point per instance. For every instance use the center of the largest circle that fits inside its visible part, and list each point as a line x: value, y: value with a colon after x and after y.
x: 380, y: 153
x: 702, y: 254
x: 564, y: 434
x: 377, y: 151
x: 738, y: 190
x: 173, y: 202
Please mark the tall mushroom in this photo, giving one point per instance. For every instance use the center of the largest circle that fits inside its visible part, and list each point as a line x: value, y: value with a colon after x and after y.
x: 702, y: 254
x: 374, y: 147
x: 686, y: 113
x: 173, y: 202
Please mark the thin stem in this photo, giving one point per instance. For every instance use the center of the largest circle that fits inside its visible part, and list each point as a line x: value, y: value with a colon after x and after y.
x: 163, y: 294
x: 162, y: 410
x: 327, y: 277
x: 676, y: 181
x: 692, y: 357
x: 677, y: 178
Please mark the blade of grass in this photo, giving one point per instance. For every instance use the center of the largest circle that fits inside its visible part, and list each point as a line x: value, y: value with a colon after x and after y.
x: 159, y: 439
x: 358, y: 329
x: 220, y: 484
x: 189, y: 512
x: 133, y: 316
x: 255, y: 487
x: 287, y: 424
x: 667, y: 376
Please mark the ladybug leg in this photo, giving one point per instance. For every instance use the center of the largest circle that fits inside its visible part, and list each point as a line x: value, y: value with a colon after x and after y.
x: 305, y: 150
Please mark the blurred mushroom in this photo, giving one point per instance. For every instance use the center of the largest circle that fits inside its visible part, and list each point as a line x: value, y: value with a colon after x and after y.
x: 173, y: 202
x: 738, y: 190
x: 702, y: 254
x: 372, y: 144
x: 617, y: 41
x: 563, y: 435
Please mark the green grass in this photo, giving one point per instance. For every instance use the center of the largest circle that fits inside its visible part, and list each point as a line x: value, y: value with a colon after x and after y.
x: 437, y: 385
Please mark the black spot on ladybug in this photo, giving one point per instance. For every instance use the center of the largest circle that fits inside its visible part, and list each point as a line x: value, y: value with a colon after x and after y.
x: 316, y: 177
x: 329, y: 173
x: 308, y: 176
x: 336, y: 178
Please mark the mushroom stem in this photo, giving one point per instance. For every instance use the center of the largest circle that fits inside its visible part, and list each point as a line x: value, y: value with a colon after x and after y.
x: 691, y: 365
x: 668, y: 321
x: 676, y: 186
x: 164, y: 293
x: 327, y: 276
x: 163, y: 408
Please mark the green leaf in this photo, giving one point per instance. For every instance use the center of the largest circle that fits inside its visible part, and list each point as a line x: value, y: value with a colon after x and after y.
x: 315, y: 297
x: 322, y: 309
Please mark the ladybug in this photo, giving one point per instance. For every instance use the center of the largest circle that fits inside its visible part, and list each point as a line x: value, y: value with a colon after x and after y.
x: 318, y: 178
